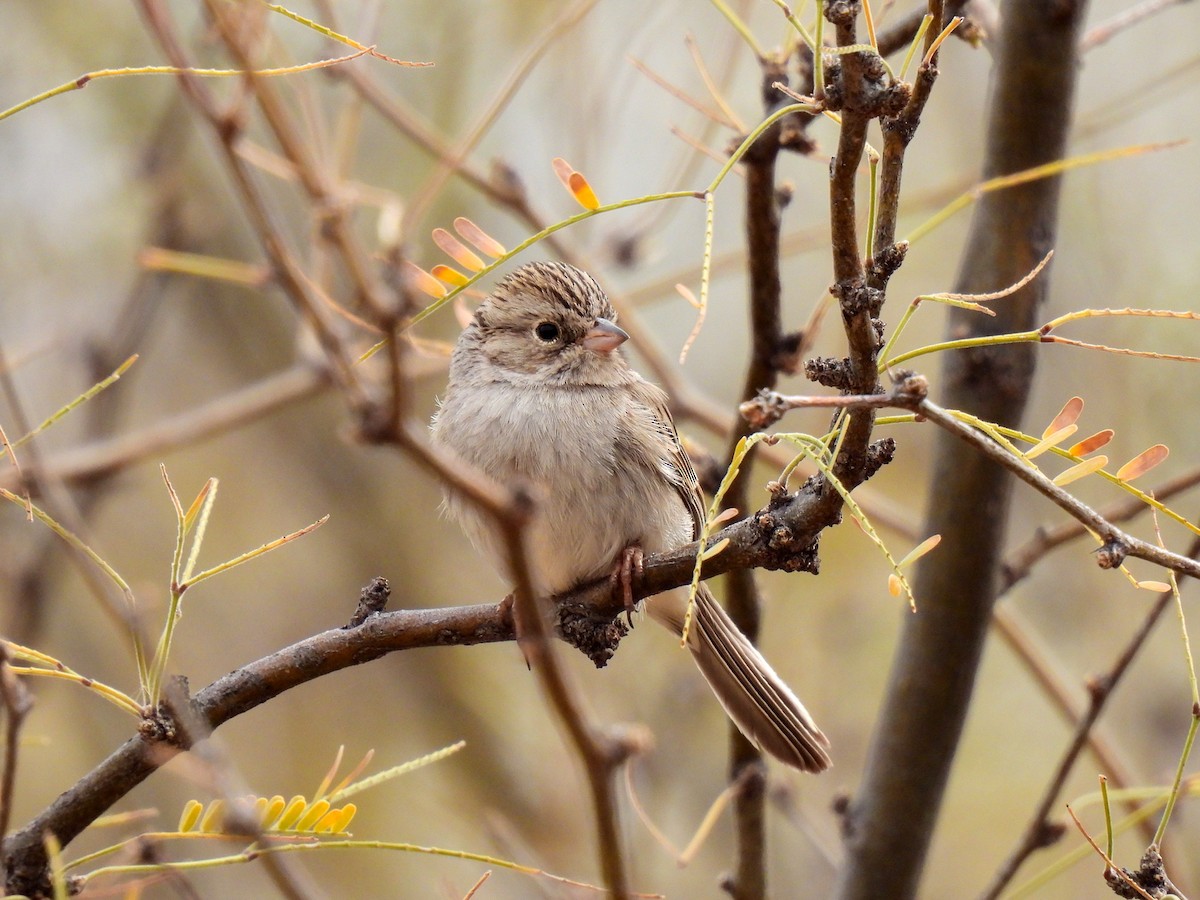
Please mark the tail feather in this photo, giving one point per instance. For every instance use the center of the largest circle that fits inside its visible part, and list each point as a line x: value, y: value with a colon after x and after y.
x: 764, y: 708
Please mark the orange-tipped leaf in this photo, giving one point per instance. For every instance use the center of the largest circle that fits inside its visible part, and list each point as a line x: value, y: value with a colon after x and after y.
x: 1092, y: 443
x: 478, y: 238
x: 1068, y: 415
x: 423, y: 281
x: 453, y: 248
x: 582, y: 191
x: 449, y: 275
x: 1143, y: 462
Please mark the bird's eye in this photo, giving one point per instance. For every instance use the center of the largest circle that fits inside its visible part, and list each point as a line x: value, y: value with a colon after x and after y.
x: 546, y: 331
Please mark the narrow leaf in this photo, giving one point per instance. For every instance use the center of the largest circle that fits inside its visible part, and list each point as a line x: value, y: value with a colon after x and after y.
x: 332, y: 773
x: 355, y: 772
x: 946, y: 32
x: 79, y: 401
x: 201, y: 526
x: 1051, y: 440
x: 388, y: 774
x: 918, y: 551
x: 341, y: 38
x: 423, y: 281
x: 1068, y: 415
x: 190, y: 516
x: 452, y: 247
x: 1092, y: 443
x: 251, y: 554
x: 480, y: 239
x: 1143, y: 462
x: 190, y: 816
x: 1080, y: 470
x: 449, y: 275
x: 582, y: 191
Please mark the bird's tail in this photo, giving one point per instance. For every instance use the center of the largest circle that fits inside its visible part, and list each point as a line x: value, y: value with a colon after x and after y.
x: 754, y: 697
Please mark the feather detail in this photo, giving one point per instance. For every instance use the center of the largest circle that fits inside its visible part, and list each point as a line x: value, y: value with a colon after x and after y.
x: 756, y: 699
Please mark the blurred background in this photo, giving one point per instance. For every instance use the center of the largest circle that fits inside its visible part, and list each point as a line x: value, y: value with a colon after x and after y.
x: 94, y: 177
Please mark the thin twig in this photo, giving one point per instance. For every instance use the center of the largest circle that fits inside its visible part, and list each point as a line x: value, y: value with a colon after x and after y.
x: 1107, y: 30
x: 226, y: 128
x: 762, y: 218
x: 1041, y: 832
x: 448, y: 163
x: 1018, y: 564
x: 1116, y: 541
x: 103, y: 458
x: 325, y: 197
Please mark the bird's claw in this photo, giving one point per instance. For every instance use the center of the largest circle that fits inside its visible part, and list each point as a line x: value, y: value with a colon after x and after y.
x: 628, y: 566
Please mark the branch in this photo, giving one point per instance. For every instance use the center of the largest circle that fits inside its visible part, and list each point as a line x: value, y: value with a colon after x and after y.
x: 777, y: 537
x: 1041, y: 832
x: 102, y: 458
x: 238, y: 692
x: 17, y: 702
x: 762, y: 217
x: 932, y: 677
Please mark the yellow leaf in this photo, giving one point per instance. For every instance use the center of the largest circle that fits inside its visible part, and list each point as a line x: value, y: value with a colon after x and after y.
x: 686, y: 293
x: 583, y: 191
x: 1087, y: 467
x: 449, y: 275
x: 1051, y: 440
x: 345, y: 816
x: 213, y: 816
x: 273, y: 811
x: 294, y: 808
x: 575, y: 183
x: 312, y: 815
x: 563, y: 170
x: 918, y: 551
x: 191, y: 815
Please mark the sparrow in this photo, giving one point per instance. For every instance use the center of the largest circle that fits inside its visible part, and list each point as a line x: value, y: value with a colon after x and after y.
x: 540, y: 394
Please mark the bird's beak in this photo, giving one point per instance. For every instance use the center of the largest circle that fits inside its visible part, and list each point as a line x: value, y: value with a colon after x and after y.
x: 604, y: 337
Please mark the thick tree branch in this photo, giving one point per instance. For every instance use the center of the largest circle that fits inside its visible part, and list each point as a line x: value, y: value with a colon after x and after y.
x: 934, y: 672
x: 779, y: 536
x: 238, y: 692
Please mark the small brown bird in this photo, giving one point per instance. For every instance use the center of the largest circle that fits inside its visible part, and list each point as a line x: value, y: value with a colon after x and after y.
x: 540, y: 393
